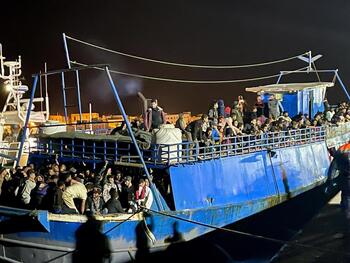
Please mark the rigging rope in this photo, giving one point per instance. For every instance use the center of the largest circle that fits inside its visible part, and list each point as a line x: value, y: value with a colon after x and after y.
x: 275, y: 240
x: 182, y: 64
x: 190, y: 81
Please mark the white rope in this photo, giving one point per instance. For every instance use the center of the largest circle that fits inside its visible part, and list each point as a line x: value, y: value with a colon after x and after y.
x: 185, y: 65
x: 189, y: 81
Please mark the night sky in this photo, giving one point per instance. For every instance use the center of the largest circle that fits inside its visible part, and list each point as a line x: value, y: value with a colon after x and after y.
x: 195, y: 32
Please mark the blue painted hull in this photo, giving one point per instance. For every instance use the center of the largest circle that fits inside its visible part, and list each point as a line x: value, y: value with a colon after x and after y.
x: 218, y: 192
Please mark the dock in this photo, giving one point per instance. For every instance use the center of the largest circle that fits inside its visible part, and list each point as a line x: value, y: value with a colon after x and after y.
x: 323, y: 239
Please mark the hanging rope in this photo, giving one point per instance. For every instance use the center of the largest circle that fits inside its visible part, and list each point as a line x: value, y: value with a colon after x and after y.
x: 182, y: 64
x: 188, y: 81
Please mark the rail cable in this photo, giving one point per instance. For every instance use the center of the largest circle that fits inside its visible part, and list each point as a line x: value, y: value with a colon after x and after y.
x: 275, y: 240
x: 190, y: 81
x: 182, y: 64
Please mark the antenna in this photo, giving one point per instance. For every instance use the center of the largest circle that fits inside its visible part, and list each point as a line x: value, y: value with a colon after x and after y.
x: 309, y: 59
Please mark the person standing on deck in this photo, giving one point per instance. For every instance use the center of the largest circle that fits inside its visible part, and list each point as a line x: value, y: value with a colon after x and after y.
x: 274, y: 107
x: 155, y: 116
x: 197, y: 128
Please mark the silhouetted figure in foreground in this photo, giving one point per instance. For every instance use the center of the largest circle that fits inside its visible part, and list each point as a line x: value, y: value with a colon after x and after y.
x: 177, y: 236
x: 143, y: 238
x: 91, y: 244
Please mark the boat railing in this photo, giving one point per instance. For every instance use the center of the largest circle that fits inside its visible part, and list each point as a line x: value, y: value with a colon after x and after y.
x: 338, y: 130
x: 238, y: 145
x: 338, y: 134
x: 168, y: 154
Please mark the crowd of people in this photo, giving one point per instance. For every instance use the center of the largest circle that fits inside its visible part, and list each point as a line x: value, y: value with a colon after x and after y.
x: 223, y: 122
x: 77, y: 190
x: 74, y: 190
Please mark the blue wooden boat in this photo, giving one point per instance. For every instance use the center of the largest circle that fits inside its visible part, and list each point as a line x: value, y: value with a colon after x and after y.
x: 210, y: 187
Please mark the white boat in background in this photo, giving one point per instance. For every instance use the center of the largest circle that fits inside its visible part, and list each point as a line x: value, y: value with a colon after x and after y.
x: 14, y: 112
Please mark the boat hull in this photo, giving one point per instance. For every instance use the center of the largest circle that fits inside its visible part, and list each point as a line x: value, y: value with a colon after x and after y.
x: 274, y: 178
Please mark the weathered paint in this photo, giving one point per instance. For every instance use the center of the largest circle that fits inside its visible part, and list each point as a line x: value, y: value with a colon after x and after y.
x: 254, y: 176
x: 217, y: 192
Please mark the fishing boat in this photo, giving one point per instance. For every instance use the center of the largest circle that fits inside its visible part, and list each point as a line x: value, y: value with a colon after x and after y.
x: 197, y: 189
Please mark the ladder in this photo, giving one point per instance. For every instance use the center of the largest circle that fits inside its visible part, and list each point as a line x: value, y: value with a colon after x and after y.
x: 65, y: 89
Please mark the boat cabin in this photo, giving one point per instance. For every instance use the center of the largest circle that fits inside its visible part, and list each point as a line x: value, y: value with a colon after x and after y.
x: 295, y: 98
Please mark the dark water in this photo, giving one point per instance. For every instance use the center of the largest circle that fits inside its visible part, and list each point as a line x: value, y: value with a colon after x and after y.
x: 282, y: 222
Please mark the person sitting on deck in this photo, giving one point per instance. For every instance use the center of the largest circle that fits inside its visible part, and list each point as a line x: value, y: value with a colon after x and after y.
x: 113, y: 205
x: 140, y: 192
x: 95, y: 203
x: 122, y: 127
x: 108, y: 186
x: 155, y: 116
x: 57, y: 202
x: 39, y: 192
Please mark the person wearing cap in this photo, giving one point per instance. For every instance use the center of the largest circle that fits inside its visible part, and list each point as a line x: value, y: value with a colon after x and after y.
x: 95, y: 203
x: 155, y: 116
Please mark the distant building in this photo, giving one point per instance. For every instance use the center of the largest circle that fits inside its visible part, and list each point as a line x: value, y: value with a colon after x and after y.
x: 108, y: 122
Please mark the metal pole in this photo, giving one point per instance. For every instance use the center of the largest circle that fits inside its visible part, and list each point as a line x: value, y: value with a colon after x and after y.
x: 27, y: 120
x: 78, y: 95
x: 66, y: 50
x: 279, y: 77
x: 64, y: 97
x: 310, y: 61
x: 342, y: 84
x: 121, y: 108
x: 90, y: 112
x: 47, y: 104
x: 41, y: 90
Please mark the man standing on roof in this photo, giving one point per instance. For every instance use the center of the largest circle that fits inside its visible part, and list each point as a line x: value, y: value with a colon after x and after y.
x: 155, y: 116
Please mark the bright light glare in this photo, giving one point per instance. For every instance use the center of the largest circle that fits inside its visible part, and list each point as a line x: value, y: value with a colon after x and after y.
x: 8, y: 87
